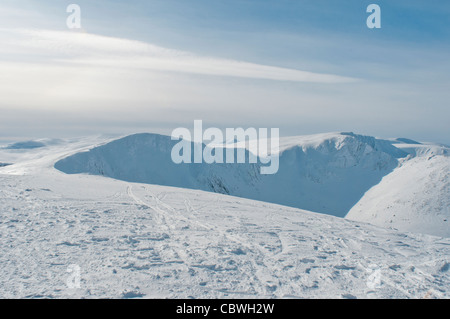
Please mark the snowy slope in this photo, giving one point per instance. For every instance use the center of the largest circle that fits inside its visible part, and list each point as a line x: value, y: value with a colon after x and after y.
x: 415, y: 196
x: 325, y: 173
x: 133, y: 240
x: 31, y: 160
x: 329, y: 173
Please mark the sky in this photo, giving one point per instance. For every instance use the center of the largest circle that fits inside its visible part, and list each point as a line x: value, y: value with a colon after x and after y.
x: 304, y: 67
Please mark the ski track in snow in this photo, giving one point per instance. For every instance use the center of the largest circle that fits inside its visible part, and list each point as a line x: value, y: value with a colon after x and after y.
x: 136, y: 240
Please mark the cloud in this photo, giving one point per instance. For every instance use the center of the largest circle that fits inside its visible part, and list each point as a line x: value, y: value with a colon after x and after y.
x: 92, y: 50
x: 55, y: 82
x: 76, y: 77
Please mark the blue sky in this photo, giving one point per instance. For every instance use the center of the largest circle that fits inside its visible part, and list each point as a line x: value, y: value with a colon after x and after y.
x: 389, y: 82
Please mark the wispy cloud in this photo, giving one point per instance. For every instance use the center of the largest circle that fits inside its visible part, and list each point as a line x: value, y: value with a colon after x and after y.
x: 80, y: 48
x: 61, y: 81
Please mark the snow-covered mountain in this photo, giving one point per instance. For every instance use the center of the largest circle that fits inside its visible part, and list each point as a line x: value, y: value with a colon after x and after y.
x: 415, y: 196
x: 147, y: 241
x: 87, y: 236
x: 397, y: 183
x: 328, y: 173
x: 325, y: 173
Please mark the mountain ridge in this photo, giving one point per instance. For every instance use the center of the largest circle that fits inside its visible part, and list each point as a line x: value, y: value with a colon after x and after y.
x: 319, y: 162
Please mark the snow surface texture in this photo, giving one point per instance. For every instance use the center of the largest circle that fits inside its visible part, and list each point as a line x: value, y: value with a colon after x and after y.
x: 132, y: 240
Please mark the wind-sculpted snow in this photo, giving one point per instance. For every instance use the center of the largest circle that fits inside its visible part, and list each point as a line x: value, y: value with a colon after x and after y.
x: 325, y: 173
